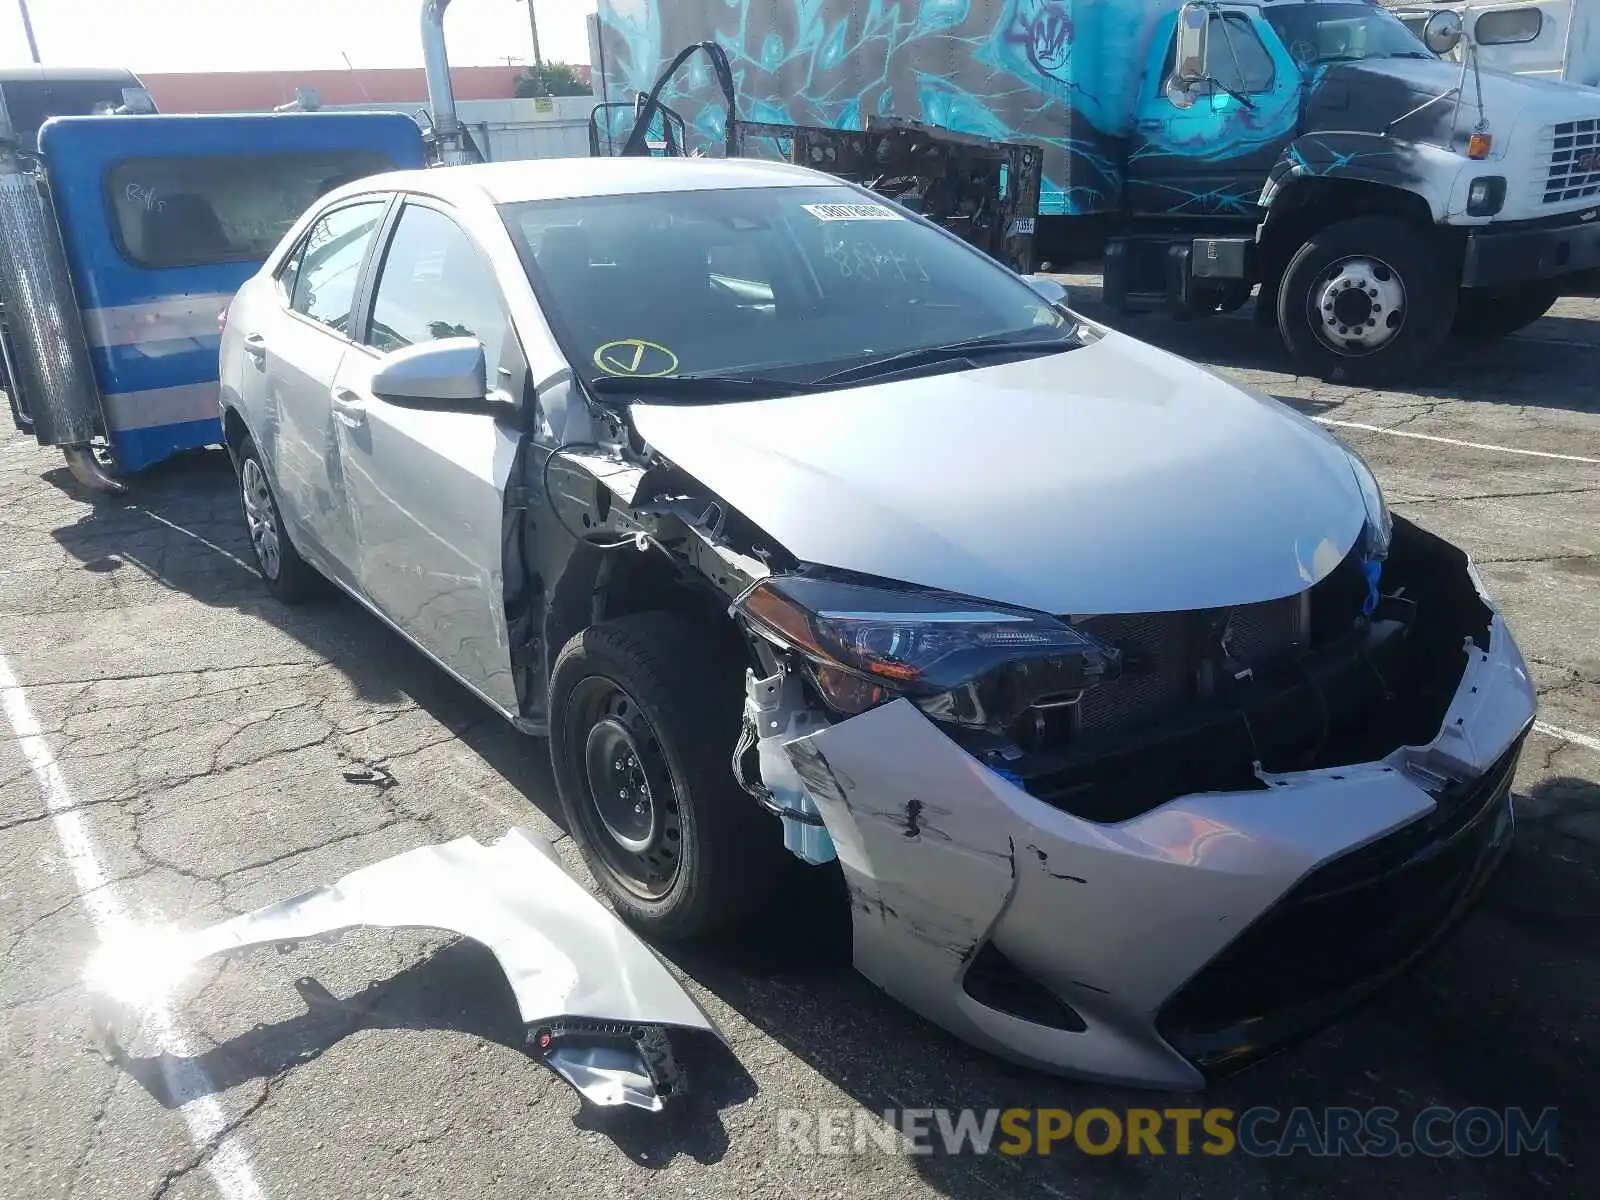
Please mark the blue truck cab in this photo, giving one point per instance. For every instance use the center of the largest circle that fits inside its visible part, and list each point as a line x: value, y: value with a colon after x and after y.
x: 161, y: 219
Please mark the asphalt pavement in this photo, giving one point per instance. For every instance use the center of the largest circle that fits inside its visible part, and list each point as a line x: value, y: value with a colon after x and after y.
x: 180, y: 748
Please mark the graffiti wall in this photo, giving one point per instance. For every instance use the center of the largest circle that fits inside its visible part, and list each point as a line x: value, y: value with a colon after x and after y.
x: 1061, y: 73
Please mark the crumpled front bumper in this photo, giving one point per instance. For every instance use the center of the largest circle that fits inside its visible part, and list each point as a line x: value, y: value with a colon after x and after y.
x: 1138, y: 926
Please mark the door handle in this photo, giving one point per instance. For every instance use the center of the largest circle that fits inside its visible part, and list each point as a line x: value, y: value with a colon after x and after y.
x: 348, y: 408
x: 256, y: 347
x: 1151, y: 123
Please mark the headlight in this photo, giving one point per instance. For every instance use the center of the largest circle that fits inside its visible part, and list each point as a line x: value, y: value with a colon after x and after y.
x: 960, y: 659
x: 1380, y: 525
x: 1486, y: 195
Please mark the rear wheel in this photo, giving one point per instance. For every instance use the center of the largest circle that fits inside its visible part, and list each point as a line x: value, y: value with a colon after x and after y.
x: 644, y: 716
x: 287, y: 576
x: 1365, y: 301
x: 1483, y: 313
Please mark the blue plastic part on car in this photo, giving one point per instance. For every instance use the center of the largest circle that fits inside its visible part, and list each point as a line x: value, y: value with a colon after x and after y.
x: 1373, y: 570
x: 807, y: 842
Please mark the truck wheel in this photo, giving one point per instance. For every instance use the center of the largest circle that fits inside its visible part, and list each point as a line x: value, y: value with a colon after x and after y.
x: 644, y: 715
x: 1483, y: 313
x: 1364, y: 301
x: 287, y: 576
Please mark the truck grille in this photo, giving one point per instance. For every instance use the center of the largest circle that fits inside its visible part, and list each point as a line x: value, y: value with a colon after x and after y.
x: 1574, y: 161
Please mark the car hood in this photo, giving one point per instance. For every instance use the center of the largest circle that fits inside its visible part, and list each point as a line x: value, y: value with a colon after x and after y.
x: 1112, y: 478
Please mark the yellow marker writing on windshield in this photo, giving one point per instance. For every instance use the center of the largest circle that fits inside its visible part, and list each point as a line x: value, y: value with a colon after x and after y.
x: 636, y: 357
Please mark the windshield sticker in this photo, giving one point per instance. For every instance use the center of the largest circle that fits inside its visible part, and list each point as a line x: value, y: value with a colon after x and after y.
x: 637, y: 358
x: 852, y: 212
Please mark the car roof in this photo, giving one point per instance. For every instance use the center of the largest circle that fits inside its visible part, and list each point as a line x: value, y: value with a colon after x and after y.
x: 575, y: 178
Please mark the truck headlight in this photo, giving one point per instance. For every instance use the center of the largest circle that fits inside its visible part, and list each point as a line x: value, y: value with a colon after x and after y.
x: 961, y: 660
x: 1486, y: 195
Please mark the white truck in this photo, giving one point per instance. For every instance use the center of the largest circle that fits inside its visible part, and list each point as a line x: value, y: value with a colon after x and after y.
x: 1557, y: 40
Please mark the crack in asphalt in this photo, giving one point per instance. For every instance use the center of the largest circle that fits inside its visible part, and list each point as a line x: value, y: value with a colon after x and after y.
x: 1536, y: 558
x: 75, y: 1172
x: 1560, y: 491
x: 203, y: 1153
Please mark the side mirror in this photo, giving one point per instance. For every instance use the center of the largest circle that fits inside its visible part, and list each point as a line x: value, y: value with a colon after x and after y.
x: 1046, y: 288
x: 1508, y: 27
x: 447, y: 375
x: 1189, y: 62
x: 1441, y: 32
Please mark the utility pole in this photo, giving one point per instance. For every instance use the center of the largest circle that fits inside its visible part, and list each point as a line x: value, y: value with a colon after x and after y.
x: 33, y: 46
x: 533, y: 26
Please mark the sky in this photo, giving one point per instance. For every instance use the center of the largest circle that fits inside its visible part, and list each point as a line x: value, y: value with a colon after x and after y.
x: 248, y: 35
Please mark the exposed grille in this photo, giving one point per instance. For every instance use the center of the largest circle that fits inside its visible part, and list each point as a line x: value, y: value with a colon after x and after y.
x: 1167, y: 656
x: 1574, y: 161
x: 1158, y: 681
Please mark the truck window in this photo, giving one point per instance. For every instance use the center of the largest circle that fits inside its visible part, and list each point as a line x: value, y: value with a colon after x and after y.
x: 1235, y: 55
x: 32, y: 102
x: 1335, y: 32
x: 189, y: 211
x: 330, y: 263
x: 1509, y: 26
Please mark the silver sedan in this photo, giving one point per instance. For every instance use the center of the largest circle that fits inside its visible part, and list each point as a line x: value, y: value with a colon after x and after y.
x: 1140, y: 735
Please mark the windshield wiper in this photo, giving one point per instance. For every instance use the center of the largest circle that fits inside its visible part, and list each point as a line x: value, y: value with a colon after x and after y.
x: 697, y: 389
x: 926, y: 356
x: 1239, y: 96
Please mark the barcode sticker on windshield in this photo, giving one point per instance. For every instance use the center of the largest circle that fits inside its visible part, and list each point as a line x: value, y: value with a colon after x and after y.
x: 852, y: 212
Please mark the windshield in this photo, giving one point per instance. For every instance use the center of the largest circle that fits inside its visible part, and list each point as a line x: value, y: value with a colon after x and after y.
x: 788, y: 282
x: 1326, y: 33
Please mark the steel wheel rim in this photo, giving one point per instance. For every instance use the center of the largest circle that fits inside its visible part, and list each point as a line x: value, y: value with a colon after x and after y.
x: 1357, y: 306
x: 261, y: 515
x: 638, y: 834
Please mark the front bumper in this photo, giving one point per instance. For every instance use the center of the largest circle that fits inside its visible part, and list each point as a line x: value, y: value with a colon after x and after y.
x: 1547, y: 250
x: 1189, y: 939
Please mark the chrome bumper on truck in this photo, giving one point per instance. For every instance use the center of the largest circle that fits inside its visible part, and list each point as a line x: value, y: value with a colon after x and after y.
x: 1532, y: 250
x: 1183, y: 942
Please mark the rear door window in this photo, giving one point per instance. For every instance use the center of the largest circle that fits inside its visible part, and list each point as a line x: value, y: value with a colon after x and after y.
x: 189, y: 211
x: 329, y: 263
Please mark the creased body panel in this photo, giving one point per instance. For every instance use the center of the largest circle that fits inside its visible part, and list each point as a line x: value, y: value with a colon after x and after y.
x: 596, y: 999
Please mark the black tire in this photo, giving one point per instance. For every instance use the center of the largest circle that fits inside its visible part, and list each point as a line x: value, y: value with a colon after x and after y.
x: 1486, y: 313
x: 700, y: 853
x: 288, y: 576
x: 1383, y: 252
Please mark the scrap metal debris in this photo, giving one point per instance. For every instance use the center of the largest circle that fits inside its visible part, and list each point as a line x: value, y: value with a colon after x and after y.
x: 596, y: 1002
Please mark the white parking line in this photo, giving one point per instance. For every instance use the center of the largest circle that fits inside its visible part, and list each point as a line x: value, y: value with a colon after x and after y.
x: 209, y: 545
x: 229, y: 1164
x: 1567, y: 735
x: 1428, y: 437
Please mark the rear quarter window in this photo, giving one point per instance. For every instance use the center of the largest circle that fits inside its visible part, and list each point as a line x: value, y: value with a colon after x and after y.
x: 189, y: 211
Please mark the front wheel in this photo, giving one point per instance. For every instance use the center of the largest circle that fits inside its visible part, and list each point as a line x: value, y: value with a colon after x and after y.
x: 1365, y: 301
x: 644, y: 717
x: 1485, y: 313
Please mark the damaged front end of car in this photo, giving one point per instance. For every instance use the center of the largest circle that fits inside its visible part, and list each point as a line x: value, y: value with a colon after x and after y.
x: 1144, y: 848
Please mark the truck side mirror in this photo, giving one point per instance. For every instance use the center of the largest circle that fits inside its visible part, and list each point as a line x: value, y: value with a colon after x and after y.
x: 1441, y: 33
x: 1189, y: 63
